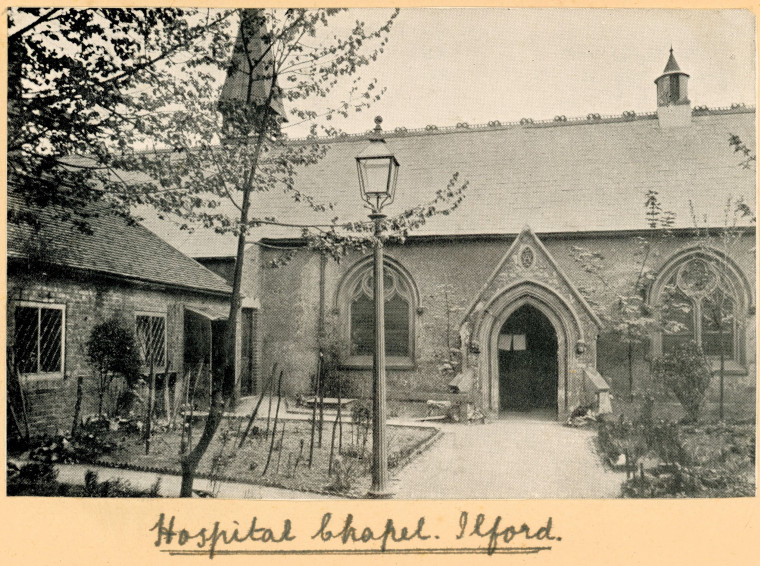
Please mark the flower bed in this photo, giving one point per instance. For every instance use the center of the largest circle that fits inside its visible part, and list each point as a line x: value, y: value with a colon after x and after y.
x: 289, y: 463
x: 681, y: 460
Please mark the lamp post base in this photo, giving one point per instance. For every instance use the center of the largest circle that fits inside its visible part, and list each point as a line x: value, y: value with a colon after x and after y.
x: 380, y: 494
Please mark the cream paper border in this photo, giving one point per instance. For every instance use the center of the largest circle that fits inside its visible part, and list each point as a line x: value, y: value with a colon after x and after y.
x: 612, y: 532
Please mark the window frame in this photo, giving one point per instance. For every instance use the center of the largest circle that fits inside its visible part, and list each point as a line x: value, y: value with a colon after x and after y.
x: 153, y: 314
x: 44, y: 375
x: 734, y: 285
x: 344, y: 301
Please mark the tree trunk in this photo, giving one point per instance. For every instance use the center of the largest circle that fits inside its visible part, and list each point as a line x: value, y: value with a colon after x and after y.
x: 722, y: 371
x: 630, y: 368
x: 101, y: 393
x: 190, y: 460
x: 224, y: 391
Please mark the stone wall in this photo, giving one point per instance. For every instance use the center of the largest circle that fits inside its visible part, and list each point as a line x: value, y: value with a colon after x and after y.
x: 89, y: 301
x: 454, y: 271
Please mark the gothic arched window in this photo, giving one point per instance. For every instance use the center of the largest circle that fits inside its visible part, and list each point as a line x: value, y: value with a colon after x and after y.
x: 699, y: 300
x: 357, y: 307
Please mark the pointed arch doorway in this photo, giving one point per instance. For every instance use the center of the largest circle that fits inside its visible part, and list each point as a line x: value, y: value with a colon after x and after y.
x: 528, y: 362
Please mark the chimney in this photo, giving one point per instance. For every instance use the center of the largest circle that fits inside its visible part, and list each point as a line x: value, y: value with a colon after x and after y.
x: 247, y: 89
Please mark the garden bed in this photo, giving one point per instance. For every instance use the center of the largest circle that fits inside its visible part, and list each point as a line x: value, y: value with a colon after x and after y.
x: 674, y: 459
x: 289, y: 464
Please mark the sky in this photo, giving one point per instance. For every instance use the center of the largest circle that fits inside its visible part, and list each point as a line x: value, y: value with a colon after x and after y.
x: 443, y: 66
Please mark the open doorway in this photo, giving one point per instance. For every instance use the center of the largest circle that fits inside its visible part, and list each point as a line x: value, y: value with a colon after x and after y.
x: 528, y: 368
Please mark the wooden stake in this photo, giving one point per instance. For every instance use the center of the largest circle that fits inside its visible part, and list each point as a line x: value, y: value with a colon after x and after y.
x: 340, y: 418
x: 332, y: 443
x: 282, y: 447
x: 321, y: 399
x: 258, y: 404
x: 152, y: 386
x: 77, y: 408
x: 269, y: 410
x: 274, y: 426
x: 313, y: 418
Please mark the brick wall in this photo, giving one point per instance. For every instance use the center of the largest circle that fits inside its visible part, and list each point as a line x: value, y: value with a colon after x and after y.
x: 290, y: 305
x: 89, y: 301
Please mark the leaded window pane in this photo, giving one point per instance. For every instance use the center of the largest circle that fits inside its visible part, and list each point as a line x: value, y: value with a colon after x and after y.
x: 26, y: 339
x: 38, y: 339
x: 397, y: 313
x: 718, y: 325
x: 51, y: 325
x: 678, y: 318
x: 151, y: 336
x: 397, y: 326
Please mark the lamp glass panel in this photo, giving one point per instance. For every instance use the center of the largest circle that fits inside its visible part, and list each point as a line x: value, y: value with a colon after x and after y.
x: 375, y: 176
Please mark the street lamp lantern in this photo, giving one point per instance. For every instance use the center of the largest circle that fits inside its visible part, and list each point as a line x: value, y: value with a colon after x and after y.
x: 378, y: 169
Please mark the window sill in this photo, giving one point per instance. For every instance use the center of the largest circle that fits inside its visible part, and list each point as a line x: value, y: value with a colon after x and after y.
x: 52, y: 376
x: 391, y: 362
x: 41, y: 382
x: 731, y: 367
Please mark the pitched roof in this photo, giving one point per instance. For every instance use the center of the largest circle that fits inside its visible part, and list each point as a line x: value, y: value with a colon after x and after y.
x: 558, y: 176
x: 115, y: 248
x: 671, y: 66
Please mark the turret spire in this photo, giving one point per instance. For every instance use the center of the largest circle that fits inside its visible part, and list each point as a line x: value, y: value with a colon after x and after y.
x: 673, y: 105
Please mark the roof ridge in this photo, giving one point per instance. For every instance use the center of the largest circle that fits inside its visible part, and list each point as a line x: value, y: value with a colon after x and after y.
x: 557, y: 121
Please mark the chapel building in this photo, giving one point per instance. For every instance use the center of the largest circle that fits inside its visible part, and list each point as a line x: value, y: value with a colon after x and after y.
x: 510, y: 301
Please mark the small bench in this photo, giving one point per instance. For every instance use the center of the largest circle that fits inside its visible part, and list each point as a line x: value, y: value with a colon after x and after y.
x: 329, y: 403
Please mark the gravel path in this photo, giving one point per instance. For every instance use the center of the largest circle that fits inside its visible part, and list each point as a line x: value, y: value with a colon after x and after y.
x: 517, y: 457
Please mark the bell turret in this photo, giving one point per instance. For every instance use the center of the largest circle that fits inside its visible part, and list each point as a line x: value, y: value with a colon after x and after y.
x: 673, y: 105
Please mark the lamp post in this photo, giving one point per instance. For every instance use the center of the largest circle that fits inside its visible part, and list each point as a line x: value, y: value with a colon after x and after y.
x: 378, y: 169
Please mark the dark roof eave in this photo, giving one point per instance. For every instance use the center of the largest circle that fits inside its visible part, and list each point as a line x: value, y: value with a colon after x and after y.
x: 134, y: 279
x: 299, y: 242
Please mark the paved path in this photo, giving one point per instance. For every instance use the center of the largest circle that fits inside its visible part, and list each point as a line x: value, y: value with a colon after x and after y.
x: 169, y: 487
x: 517, y: 457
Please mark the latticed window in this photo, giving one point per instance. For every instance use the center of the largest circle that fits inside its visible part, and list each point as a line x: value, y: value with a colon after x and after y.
x: 398, y: 317
x: 39, y: 338
x: 151, y: 338
x: 698, y: 304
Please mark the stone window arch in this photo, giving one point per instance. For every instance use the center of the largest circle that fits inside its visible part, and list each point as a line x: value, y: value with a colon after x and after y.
x: 356, y: 311
x: 702, y: 296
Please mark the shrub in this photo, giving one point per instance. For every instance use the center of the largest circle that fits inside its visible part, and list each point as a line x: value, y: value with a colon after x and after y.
x: 33, y: 478
x: 92, y: 441
x: 115, y: 487
x: 690, y: 482
x: 686, y: 373
x: 112, y: 351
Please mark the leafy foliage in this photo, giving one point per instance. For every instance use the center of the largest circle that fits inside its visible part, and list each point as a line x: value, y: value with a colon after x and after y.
x: 749, y: 155
x: 686, y: 372
x: 116, y: 487
x: 90, y: 443
x: 33, y: 478
x: 684, y: 481
x: 41, y: 479
x: 74, y: 85
x: 112, y: 350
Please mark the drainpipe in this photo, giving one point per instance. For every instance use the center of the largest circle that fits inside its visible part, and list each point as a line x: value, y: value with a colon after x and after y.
x: 321, y: 319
